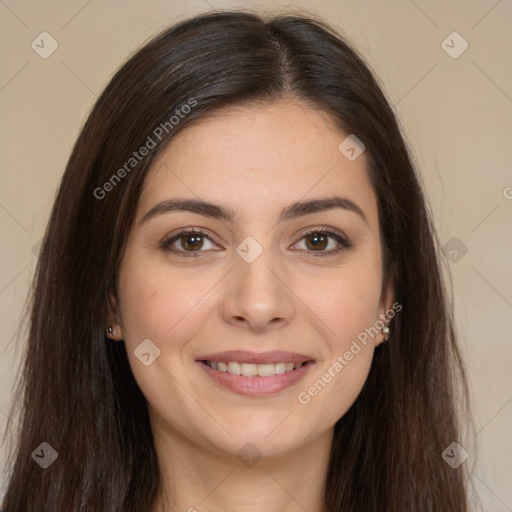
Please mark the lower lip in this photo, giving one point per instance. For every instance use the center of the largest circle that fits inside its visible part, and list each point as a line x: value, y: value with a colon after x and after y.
x: 256, y: 386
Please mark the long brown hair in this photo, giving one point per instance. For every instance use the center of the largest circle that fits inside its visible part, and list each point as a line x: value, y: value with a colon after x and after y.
x: 77, y: 392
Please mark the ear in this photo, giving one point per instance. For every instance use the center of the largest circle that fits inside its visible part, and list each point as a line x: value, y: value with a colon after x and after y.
x: 386, y: 310
x: 113, y: 316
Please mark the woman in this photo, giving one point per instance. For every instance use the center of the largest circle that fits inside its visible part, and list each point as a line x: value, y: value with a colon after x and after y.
x: 238, y: 303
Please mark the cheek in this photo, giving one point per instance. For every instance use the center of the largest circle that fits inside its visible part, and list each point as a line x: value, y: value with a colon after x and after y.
x: 353, y: 308
x: 346, y: 302
x: 346, y: 305
x: 155, y: 301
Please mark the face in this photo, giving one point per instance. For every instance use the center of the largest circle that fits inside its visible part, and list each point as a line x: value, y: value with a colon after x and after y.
x: 260, y: 275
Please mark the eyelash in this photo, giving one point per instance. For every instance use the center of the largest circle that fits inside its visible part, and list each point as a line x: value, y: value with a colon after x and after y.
x: 342, y: 240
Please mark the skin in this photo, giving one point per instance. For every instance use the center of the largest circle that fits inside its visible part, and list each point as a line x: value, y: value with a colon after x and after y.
x: 257, y: 161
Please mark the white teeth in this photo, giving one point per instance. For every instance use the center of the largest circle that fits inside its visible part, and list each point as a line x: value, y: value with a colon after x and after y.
x: 253, y: 370
x: 266, y: 370
x: 280, y: 368
x: 249, y: 370
x: 234, y: 368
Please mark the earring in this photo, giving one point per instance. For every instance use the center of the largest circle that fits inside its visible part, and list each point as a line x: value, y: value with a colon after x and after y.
x: 385, y: 330
x: 112, y: 332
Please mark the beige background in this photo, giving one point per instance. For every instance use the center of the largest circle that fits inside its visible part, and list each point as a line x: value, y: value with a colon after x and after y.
x: 456, y: 115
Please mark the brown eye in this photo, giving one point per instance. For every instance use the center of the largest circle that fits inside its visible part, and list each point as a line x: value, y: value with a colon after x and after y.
x: 191, y: 241
x: 317, y: 241
x: 187, y: 243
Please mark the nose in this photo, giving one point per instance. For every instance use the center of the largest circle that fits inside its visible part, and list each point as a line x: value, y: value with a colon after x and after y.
x: 258, y: 295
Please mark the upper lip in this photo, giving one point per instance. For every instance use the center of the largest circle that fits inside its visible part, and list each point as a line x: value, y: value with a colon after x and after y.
x: 240, y: 356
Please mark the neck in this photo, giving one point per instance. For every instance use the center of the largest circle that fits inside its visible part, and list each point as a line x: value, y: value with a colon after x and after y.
x: 197, y: 478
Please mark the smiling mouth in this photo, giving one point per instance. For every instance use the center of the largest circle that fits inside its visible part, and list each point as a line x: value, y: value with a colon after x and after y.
x: 254, y: 370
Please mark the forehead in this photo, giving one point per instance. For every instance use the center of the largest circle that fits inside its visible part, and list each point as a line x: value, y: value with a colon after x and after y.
x: 258, y: 160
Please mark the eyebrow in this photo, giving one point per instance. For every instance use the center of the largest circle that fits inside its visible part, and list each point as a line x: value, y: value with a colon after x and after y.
x: 216, y: 211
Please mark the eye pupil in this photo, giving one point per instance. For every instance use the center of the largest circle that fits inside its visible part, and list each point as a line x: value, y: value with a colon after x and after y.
x: 319, y: 240
x: 191, y: 241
